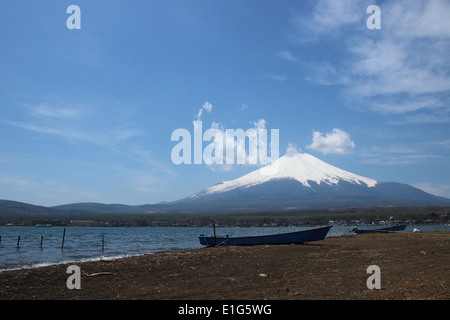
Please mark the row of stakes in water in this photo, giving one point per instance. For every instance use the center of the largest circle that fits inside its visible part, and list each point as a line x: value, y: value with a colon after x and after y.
x: 62, y: 245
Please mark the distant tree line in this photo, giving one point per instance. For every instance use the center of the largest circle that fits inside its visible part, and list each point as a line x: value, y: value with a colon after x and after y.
x: 412, y: 215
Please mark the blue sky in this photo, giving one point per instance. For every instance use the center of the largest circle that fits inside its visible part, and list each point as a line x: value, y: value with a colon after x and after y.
x: 87, y: 114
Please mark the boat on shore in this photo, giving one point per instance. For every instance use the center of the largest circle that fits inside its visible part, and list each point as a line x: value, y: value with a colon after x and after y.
x: 380, y: 230
x: 281, y: 238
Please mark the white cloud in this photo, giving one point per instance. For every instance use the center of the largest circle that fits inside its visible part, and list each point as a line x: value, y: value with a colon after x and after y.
x: 260, y: 124
x: 240, y: 146
x: 337, y: 141
x: 207, y: 107
x: 292, y: 150
x: 244, y: 106
x: 394, y: 66
x: 419, y: 18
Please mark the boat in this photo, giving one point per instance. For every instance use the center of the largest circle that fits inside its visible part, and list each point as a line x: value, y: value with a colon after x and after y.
x: 48, y: 225
x: 395, y: 228
x: 281, y: 238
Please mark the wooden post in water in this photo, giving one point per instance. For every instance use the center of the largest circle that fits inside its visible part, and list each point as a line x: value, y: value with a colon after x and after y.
x: 42, y: 240
x: 64, y: 236
x: 18, y: 242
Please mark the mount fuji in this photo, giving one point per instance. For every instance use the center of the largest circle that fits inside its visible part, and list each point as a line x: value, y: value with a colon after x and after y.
x: 302, y: 181
x: 293, y: 182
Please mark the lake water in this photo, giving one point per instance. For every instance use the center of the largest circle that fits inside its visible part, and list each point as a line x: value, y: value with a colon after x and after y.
x: 94, y: 243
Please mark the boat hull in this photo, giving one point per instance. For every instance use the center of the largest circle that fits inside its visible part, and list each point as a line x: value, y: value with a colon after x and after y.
x: 382, y: 230
x: 283, y: 238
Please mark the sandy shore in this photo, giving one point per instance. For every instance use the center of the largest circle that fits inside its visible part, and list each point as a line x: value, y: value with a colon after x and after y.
x: 412, y: 266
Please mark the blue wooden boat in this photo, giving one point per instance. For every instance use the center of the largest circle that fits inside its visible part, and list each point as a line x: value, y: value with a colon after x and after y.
x: 380, y: 230
x: 282, y: 238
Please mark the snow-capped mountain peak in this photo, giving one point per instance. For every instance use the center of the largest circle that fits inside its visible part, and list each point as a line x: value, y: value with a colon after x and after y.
x: 302, y: 167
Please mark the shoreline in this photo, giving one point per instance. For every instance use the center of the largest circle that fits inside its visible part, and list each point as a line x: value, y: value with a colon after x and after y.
x: 348, y: 232
x: 71, y: 262
x: 413, y: 266
x: 119, y: 256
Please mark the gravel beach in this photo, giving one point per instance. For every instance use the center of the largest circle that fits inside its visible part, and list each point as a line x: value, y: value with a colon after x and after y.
x: 413, y: 266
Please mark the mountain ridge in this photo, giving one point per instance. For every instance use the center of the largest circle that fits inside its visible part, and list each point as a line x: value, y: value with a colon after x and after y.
x: 292, y: 182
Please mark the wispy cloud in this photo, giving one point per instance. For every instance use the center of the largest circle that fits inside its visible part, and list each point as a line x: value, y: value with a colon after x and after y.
x: 326, y: 19
x: 62, y: 132
x: 52, y: 111
x: 123, y: 134
x: 147, y: 157
x: 397, y: 154
x: 326, y: 74
x: 205, y: 107
x: 103, y: 138
x: 438, y: 189
x: 46, y: 192
x: 73, y: 124
x: 244, y: 106
x: 401, y: 69
x: 287, y: 55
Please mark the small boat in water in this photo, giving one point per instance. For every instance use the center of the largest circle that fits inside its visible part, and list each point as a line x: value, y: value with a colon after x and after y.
x: 380, y: 230
x: 281, y: 238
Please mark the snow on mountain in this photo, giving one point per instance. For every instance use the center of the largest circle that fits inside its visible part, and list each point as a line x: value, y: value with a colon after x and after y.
x: 301, y: 167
